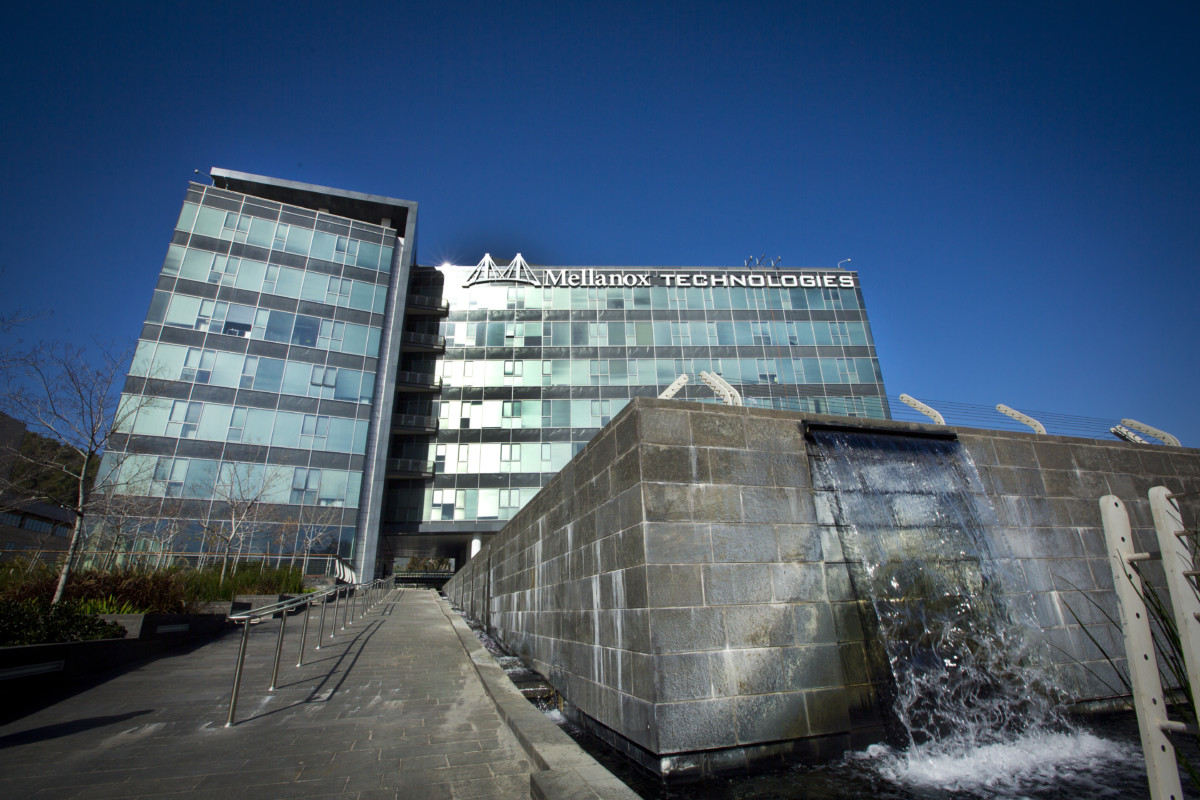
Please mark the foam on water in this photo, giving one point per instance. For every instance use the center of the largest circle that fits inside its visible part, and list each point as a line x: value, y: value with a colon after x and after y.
x: 1042, y: 764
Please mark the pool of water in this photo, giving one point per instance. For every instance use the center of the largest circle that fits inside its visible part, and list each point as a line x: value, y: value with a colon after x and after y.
x: 1102, y: 759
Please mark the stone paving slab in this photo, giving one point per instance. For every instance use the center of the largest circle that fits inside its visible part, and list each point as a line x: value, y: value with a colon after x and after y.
x: 391, y: 707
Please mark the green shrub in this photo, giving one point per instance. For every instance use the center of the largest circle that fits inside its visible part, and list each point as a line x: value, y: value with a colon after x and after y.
x: 109, y: 605
x: 130, y: 590
x: 204, y: 585
x: 32, y: 622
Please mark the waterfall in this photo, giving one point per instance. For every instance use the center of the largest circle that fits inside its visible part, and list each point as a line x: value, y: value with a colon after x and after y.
x: 954, y: 612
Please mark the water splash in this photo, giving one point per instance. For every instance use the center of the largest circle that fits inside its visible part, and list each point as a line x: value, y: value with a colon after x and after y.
x: 1030, y: 765
x: 955, y: 616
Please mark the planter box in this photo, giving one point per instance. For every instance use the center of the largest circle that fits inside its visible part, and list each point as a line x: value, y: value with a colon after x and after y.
x: 247, y: 602
x: 49, y: 667
x: 158, y: 626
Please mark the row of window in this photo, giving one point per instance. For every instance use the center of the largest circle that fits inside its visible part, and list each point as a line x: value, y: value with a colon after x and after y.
x: 232, y: 226
x: 493, y: 457
x: 647, y: 333
x: 256, y: 276
x: 26, y: 522
x: 229, y: 481
x: 451, y: 504
x: 238, y: 371
x: 494, y: 296
x: 657, y: 372
x: 272, y: 325
x: 191, y: 419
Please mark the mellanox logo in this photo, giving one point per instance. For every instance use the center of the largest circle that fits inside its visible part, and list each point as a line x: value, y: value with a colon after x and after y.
x: 518, y: 271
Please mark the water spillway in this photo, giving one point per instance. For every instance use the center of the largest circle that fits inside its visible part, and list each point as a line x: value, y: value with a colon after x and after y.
x: 719, y: 588
x: 951, y: 607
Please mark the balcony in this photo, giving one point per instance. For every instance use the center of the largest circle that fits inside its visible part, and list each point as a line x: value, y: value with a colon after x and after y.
x: 418, y: 382
x: 412, y: 342
x: 409, y: 468
x: 426, y: 305
x: 414, y: 423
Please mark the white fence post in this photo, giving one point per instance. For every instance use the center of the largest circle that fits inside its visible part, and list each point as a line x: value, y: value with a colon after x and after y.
x: 1180, y: 567
x: 1161, y: 769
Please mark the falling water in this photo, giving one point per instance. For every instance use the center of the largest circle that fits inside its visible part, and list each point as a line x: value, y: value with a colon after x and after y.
x: 955, y: 616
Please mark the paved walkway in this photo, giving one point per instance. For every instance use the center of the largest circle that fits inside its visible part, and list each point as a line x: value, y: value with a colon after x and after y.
x: 391, y: 707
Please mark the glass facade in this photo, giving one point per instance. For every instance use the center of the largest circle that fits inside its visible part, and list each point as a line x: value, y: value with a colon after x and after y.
x: 255, y: 374
x: 532, y: 372
x: 293, y: 355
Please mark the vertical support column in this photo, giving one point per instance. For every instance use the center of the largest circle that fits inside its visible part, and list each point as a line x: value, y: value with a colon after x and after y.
x: 278, y: 649
x: 1161, y: 770
x: 1179, y: 565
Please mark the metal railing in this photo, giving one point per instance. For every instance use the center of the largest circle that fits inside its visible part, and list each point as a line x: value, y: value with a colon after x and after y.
x: 365, y: 595
x: 423, y: 380
x: 418, y: 422
x: 410, y: 466
x: 426, y: 302
x: 427, y: 340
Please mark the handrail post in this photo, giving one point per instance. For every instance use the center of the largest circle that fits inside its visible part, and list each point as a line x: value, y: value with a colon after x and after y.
x: 321, y: 631
x: 278, y: 649
x: 237, y: 674
x: 304, y: 633
x: 346, y: 607
x: 337, y: 598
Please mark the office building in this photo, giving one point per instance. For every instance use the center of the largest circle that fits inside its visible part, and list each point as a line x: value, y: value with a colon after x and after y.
x: 295, y: 352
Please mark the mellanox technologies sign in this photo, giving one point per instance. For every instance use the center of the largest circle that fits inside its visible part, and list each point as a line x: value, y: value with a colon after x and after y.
x: 518, y: 271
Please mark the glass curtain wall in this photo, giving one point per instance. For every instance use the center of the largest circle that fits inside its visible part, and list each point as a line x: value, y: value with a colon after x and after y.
x: 255, y: 371
x: 532, y: 373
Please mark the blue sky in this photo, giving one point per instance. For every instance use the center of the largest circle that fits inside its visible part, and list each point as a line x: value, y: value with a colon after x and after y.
x: 1018, y: 184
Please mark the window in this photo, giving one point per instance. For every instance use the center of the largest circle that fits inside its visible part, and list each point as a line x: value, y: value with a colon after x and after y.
x: 510, y: 499
x: 238, y: 321
x: 338, y: 293
x: 313, y: 432
x: 306, y: 330
x: 345, y: 250
x: 184, y: 418
x: 832, y: 298
x: 305, y: 483
x: 168, y: 477
x: 323, y: 376
x: 237, y: 424
x: 235, y: 226
x: 510, y: 454
x: 443, y: 504
x: 197, y: 365
x: 601, y: 412
x: 331, y: 334
x: 224, y: 270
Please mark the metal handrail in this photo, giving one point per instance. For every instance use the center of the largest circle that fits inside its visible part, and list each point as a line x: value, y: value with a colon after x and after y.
x: 372, y: 593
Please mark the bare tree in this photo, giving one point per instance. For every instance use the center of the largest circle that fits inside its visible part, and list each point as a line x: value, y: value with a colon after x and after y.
x: 71, y: 399
x: 317, y: 527
x: 162, y: 532
x: 242, y: 506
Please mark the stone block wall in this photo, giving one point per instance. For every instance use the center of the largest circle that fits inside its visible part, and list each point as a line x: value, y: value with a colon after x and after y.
x: 1046, y: 491
x: 675, y: 583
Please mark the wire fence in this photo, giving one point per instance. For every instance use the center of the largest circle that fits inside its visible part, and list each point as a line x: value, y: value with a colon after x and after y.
x: 974, y: 415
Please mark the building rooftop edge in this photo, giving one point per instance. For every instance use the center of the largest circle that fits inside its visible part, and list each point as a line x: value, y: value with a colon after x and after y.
x: 308, y: 195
